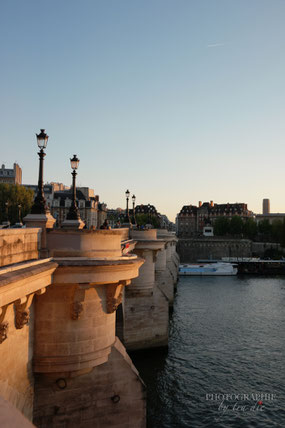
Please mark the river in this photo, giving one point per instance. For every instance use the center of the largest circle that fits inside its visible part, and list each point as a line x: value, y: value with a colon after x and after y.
x: 225, y: 363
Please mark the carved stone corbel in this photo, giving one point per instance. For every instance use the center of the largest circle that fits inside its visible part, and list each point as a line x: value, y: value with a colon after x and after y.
x: 41, y: 291
x: 114, y: 295
x: 154, y: 255
x: 77, y: 304
x: 22, y: 308
x: 4, y: 325
x: 139, y: 252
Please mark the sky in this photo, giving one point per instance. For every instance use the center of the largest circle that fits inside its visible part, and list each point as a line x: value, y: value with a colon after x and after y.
x: 176, y: 100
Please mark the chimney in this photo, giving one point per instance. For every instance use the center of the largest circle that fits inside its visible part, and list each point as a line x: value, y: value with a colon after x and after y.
x: 200, y: 204
x: 211, y: 204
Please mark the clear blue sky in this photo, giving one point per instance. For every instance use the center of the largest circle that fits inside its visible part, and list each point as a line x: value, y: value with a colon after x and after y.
x: 177, y: 100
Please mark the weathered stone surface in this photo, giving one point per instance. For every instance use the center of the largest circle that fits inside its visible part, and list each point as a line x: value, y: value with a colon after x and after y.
x: 17, y: 245
x: 110, y: 395
x: 85, y: 243
x: 145, y: 312
x: 16, y: 378
x: 145, y: 320
x: 83, y: 375
x: 10, y: 417
x: 18, y: 285
x: 192, y: 249
x: 63, y: 343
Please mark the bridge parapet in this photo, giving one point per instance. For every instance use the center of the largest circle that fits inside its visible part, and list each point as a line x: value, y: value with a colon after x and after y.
x: 18, y: 245
x: 22, y: 277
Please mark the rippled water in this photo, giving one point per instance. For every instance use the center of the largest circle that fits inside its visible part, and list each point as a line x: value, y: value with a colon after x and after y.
x: 226, y: 337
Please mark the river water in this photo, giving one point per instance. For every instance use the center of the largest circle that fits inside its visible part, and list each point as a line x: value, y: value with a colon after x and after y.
x: 225, y: 363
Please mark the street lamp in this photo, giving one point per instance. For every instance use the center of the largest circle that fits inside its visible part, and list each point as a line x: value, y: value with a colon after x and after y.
x: 39, y: 206
x: 19, y: 213
x: 127, y: 216
x: 149, y: 215
x: 73, y: 213
x: 134, y: 203
x: 7, y: 211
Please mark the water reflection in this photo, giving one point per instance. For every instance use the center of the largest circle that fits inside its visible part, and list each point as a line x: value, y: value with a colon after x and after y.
x: 226, y: 337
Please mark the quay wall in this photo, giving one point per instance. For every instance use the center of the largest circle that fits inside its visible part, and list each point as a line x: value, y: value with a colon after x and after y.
x: 260, y: 248
x: 193, y: 249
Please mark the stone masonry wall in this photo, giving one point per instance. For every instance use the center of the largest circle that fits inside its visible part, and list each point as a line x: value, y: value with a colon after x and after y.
x: 191, y: 250
x: 110, y: 395
x: 16, y: 378
x: 145, y: 319
x: 18, y: 245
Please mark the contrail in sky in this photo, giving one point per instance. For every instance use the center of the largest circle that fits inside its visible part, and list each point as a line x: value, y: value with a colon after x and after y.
x: 215, y: 45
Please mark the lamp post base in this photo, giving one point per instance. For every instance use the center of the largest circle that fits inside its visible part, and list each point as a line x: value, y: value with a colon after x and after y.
x: 43, y: 221
x: 73, y: 224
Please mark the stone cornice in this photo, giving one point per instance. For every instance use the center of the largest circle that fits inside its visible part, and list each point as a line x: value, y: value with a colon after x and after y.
x: 156, y: 244
x: 19, y: 283
x: 94, y: 271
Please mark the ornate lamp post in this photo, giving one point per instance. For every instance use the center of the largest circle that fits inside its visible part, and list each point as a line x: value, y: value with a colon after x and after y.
x: 149, y: 213
x: 73, y: 213
x: 39, y: 206
x: 7, y: 211
x: 19, y: 213
x: 134, y: 214
x: 127, y: 215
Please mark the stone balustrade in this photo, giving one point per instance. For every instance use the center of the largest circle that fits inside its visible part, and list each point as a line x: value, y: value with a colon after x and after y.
x: 18, y: 245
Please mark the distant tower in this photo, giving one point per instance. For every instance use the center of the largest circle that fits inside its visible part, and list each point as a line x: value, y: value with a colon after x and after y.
x: 266, y: 206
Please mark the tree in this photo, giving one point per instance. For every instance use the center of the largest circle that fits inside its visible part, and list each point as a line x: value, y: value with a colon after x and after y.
x: 265, y: 229
x: 14, y: 200
x: 143, y: 219
x: 250, y: 228
x: 221, y: 226
x: 277, y: 230
x: 236, y: 225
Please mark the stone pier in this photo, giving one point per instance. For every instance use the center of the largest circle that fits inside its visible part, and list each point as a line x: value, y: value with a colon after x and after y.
x: 61, y: 361
x: 167, y: 265
x: 143, y: 322
x: 84, y: 377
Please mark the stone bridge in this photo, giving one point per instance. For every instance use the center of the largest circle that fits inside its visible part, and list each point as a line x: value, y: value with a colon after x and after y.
x: 62, y: 363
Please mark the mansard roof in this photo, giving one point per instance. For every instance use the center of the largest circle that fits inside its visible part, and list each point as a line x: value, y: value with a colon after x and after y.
x: 145, y: 209
x: 216, y: 209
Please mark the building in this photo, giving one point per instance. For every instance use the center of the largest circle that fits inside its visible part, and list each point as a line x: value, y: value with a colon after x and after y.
x: 266, y: 215
x: 59, y: 198
x: 272, y: 218
x: 115, y: 216
x: 192, y: 219
x: 92, y: 212
x: 266, y: 206
x: 11, y: 176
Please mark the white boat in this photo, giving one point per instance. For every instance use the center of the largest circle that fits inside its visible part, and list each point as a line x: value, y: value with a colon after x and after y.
x: 208, y: 269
